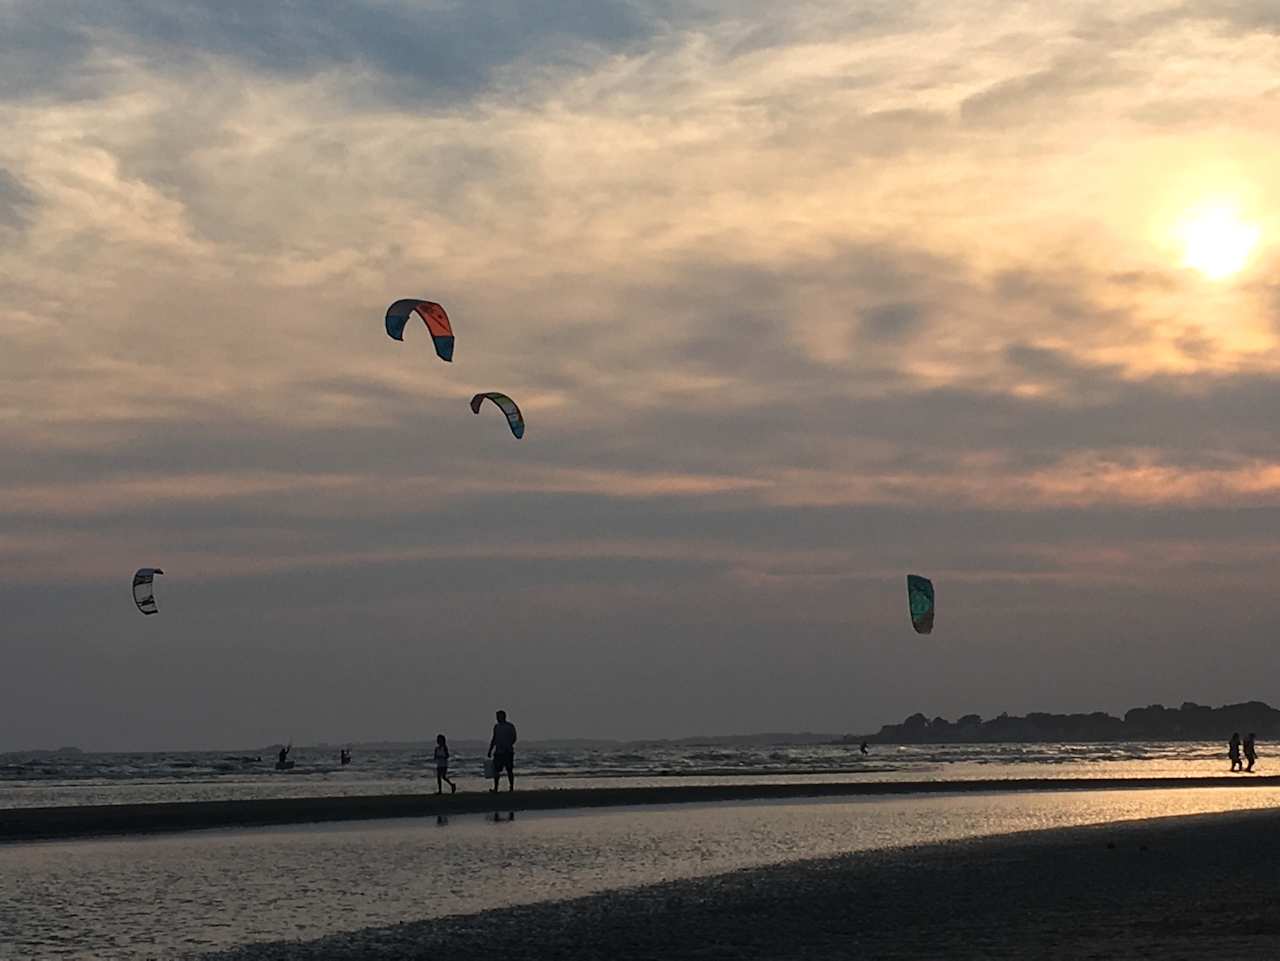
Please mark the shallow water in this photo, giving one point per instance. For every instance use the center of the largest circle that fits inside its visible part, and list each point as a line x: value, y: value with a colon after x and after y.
x: 32, y: 780
x: 157, y: 897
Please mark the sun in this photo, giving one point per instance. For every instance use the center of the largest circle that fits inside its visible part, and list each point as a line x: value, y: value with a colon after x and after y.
x: 1216, y: 241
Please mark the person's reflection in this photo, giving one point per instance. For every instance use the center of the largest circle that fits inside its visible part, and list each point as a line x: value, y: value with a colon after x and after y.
x: 442, y: 820
x: 498, y: 818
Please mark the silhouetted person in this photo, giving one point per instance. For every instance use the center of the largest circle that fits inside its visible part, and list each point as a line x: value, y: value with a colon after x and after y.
x: 1250, y: 751
x: 284, y: 754
x: 442, y: 766
x: 1233, y: 750
x: 502, y: 748
x: 863, y: 748
x: 344, y: 756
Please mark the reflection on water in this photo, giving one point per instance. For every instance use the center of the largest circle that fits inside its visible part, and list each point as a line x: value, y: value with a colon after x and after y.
x: 155, y: 897
x: 29, y: 780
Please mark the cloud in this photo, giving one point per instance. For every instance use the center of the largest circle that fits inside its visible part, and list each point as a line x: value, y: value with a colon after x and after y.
x: 426, y: 53
x: 15, y: 201
x: 1043, y: 94
x: 794, y: 298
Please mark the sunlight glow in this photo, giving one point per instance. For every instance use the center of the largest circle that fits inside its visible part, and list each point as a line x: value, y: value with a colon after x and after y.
x: 1216, y: 241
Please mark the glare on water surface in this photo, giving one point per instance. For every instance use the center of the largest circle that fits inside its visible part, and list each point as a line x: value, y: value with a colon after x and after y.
x: 139, y: 898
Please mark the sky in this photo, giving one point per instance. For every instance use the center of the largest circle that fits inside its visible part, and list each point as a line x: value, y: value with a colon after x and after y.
x: 796, y: 298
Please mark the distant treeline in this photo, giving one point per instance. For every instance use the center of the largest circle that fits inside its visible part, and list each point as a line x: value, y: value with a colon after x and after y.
x: 1191, y: 722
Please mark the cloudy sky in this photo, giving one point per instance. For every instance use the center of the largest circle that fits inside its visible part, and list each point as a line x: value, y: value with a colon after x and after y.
x: 796, y: 298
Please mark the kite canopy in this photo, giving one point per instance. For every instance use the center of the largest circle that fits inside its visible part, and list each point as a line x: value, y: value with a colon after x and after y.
x: 432, y: 315
x: 144, y: 594
x: 920, y: 601
x: 506, y: 405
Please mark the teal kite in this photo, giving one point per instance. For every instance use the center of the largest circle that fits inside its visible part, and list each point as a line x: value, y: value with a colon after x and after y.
x: 920, y: 602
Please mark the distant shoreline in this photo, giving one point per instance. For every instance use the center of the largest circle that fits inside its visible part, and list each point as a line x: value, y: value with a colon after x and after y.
x: 916, y: 731
x: 1155, y: 722
x: 55, y: 823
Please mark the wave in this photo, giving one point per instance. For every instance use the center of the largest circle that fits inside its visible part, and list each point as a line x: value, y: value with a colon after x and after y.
x: 40, y: 778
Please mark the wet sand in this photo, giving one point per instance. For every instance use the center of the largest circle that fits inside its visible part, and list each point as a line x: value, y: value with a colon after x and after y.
x: 50, y: 823
x: 1173, y: 888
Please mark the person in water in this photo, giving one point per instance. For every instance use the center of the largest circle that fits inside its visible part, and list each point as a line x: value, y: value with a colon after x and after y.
x: 502, y: 748
x: 1233, y: 750
x: 863, y: 748
x: 344, y: 756
x: 284, y: 754
x: 1250, y: 751
x: 442, y: 766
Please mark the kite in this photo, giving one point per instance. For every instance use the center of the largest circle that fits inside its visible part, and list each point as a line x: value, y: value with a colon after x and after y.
x: 920, y: 601
x: 144, y: 594
x: 506, y: 405
x: 432, y: 315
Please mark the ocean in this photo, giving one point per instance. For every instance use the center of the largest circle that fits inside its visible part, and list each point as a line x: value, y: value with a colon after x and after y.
x: 72, y: 778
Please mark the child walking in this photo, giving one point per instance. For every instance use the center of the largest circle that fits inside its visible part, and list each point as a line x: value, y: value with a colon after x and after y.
x: 442, y: 766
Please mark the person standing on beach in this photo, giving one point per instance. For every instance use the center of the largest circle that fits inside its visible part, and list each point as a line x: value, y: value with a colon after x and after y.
x: 442, y: 766
x: 1250, y: 751
x: 1233, y: 750
x: 502, y: 748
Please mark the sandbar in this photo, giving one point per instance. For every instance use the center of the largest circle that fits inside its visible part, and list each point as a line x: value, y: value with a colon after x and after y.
x: 52, y: 823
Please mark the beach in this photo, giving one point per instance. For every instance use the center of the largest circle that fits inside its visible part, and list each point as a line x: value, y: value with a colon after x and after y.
x: 144, y: 897
x: 1172, y: 888
x: 633, y: 479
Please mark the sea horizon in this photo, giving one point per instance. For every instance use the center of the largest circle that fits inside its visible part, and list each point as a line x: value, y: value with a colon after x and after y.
x: 1147, y: 723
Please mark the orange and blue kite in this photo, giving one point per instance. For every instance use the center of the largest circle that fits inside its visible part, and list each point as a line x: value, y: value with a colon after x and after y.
x: 432, y: 315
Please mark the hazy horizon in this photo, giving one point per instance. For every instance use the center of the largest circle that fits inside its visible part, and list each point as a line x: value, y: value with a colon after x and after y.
x: 539, y: 739
x: 796, y: 299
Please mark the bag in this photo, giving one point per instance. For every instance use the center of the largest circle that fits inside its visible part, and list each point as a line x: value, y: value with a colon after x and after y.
x: 488, y: 767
